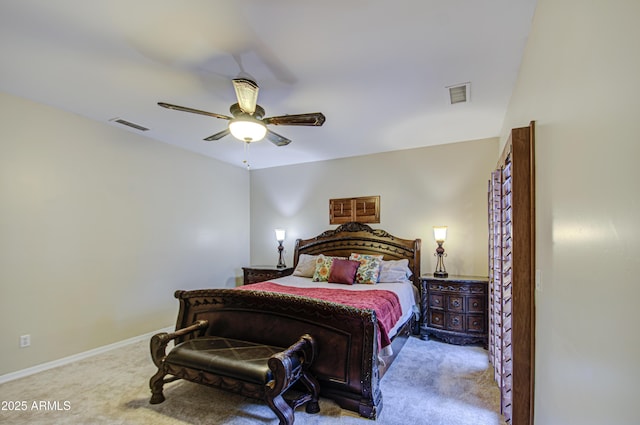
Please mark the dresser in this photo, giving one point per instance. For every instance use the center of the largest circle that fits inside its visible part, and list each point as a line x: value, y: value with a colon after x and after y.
x: 254, y: 274
x: 454, y: 309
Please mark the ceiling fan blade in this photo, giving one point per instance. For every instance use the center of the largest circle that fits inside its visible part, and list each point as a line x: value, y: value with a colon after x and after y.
x: 218, y: 135
x: 194, y: 111
x: 277, y: 139
x: 247, y: 94
x: 314, y: 119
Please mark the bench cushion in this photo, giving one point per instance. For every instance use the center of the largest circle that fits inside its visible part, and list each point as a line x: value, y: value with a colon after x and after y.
x: 233, y: 358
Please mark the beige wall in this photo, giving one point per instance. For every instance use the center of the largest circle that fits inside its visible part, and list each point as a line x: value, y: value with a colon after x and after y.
x: 579, y: 82
x: 98, y: 228
x: 418, y: 188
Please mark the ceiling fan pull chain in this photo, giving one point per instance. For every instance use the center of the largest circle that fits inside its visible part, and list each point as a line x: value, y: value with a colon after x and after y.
x: 246, y: 155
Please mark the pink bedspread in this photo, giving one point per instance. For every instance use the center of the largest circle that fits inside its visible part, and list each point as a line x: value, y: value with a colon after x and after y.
x: 385, y: 303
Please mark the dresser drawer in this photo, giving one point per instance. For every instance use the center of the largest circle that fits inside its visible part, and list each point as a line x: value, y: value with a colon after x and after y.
x: 436, y: 301
x: 436, y: 319
x: 455, y: 322
x: 455, y: 303
x: 475, y: 305
x: 475, y: 323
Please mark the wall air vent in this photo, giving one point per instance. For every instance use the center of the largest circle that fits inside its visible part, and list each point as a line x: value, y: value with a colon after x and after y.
x: 459, y: 93
x: 129, y: 124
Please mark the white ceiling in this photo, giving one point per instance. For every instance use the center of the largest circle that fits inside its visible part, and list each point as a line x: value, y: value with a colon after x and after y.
x: 377, y: 69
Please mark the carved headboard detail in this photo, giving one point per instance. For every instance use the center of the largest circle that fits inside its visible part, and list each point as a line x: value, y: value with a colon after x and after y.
x: 361, y: 238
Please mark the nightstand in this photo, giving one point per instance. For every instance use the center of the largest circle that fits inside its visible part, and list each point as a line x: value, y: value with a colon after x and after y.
x: 253, y: 274
x: 454, y: 309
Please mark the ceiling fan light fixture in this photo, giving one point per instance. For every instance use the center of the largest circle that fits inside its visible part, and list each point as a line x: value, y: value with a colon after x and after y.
x: 247, y: 129
x: 247, y: 123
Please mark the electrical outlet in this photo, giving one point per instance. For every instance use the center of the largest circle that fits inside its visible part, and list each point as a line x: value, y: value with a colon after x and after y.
x: 25, y: 341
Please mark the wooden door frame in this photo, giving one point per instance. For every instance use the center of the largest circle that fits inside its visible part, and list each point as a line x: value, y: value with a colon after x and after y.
x: 524, y: 271
x: 521, y: 148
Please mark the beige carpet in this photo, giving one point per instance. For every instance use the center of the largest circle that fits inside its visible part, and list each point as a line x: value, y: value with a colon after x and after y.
x: 429, y: 383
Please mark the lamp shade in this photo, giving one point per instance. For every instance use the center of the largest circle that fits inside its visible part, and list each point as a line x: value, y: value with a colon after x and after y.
x: 247, y: 129
x: 280, y: 235
x: 440, y: 233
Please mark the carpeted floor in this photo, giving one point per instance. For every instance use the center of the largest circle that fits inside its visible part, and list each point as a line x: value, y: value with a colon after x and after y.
x: 429, y: 383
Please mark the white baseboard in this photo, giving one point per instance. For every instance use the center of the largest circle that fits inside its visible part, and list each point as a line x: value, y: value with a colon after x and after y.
x: 80, y: 356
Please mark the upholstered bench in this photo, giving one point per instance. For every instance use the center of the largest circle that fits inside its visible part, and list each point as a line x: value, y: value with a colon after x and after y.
x: 254, y: 370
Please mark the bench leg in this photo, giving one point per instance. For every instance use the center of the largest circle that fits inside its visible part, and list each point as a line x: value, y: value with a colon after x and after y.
x: 156, y: 383
x: 310, y: 397
x: 281, y: 408
x: 313, y: 386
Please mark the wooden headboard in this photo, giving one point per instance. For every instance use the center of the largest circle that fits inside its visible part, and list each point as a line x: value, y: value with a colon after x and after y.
x: 360, y: 238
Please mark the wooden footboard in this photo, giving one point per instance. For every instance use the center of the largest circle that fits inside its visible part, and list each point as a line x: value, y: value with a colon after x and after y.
x: 346, y: 338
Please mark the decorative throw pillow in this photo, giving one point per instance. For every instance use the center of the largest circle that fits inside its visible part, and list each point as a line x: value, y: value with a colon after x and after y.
x: 394, y: 271
x: 369, y: 268
x: 343, y: 271
x: 306, y: 265
x: 323, y: 267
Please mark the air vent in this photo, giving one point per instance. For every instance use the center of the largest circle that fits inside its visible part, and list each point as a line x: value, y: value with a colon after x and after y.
x: 460, y: 93
x: 129, y: 124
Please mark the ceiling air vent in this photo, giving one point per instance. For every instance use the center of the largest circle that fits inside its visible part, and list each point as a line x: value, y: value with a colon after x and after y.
x: 460, y: 93
x: 129, y: 124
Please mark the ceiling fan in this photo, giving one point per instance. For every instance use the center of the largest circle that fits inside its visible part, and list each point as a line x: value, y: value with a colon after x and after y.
x: 247, y: 123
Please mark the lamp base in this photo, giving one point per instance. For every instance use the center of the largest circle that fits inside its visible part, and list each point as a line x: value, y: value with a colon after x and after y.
x: 281, y: 264
x: 440, y: 274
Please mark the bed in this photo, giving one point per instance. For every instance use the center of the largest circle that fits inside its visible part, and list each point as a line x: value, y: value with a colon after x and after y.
x: 355, y: 348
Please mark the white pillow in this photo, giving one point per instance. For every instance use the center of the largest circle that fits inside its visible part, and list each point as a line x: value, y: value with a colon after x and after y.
x: 306, y: 265
x: 394, y: 271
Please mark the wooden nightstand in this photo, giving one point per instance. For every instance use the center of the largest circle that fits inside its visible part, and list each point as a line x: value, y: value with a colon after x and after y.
x: 253, y: 274
x: 454, y: 309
